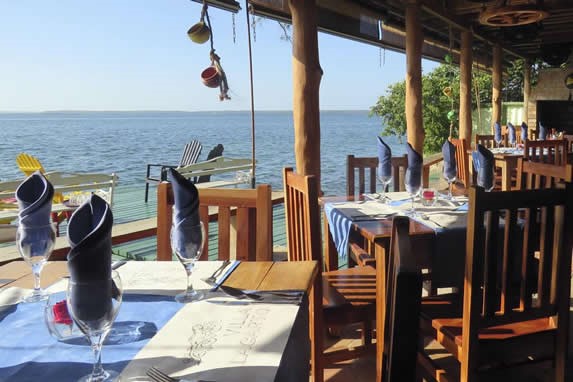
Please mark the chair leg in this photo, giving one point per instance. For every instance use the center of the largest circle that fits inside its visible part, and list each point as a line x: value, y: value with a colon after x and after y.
x: 146, y: 191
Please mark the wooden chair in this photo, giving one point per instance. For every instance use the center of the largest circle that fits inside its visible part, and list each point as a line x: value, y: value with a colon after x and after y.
x: 348, y: 295
x: 488, y: 140
x: 513, y: 316
x: 398, y: 297
x: 190, y: 155
x: 366, y: 168
x: 535, y: 175
x: 548, y: 151
x: 569, y: 139
x: 462, y: 160
x: 244, y: 218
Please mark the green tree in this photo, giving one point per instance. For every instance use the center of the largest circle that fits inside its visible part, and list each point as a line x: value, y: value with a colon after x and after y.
x: 436, y: 104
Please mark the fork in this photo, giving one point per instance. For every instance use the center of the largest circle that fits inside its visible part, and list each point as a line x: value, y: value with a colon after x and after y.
x: 211, y: 279
x: 158, y: 376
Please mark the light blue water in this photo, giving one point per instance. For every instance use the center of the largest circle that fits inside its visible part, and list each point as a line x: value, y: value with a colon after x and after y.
x: 124, y: 142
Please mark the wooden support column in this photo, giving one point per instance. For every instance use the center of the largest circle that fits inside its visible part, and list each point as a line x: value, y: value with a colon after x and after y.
x: 496, y: 84
x: 526, y: 91
x: 306, y: 82
x: 466, y: 59
x: 414, y: 122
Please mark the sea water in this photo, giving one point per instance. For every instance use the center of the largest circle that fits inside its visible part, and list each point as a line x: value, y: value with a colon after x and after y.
x: 124, y: 142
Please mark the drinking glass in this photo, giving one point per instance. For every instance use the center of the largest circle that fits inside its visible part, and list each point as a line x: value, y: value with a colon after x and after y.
x: 187, y: 244
x: 412, y: 190
x: 384, y: 181
x: 94, y: 305
x: 480, y: 183
x: 498, y: 141
x: 450, y: 178
x: 35, y: 245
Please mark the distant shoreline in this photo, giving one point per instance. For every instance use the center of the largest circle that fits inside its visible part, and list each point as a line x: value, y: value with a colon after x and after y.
x: 165, y: 111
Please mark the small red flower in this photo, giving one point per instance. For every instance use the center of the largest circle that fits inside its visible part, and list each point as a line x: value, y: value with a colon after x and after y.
x: 61, y: 314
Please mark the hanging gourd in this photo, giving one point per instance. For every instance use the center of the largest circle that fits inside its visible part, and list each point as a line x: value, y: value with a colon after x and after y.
x: 213, y: 76
x: 200, y: 32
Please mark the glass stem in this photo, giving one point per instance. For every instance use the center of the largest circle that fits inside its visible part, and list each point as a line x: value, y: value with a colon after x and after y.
x: 98, y: 373
x: 189, y: 284
x: 450, y: 190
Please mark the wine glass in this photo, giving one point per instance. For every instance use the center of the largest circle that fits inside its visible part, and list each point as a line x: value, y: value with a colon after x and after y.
x: 481, y: 179
x: 384, y: 181
x: 187, y: 243
x: 498, y: 139
x: 94, y: 305
x: 413, y: 188
x: 35, y: 244
x: 450, y: 177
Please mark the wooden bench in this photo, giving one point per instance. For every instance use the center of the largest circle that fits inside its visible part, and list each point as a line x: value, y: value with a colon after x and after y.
x: 74, y: 187
x: 215, y: 166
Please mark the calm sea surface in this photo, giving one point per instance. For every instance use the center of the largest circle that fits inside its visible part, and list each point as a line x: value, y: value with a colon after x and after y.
x: 124, y: 142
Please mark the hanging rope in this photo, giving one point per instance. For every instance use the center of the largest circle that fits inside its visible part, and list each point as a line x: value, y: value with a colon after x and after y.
x: 253, y: 181
x: 215, y: 59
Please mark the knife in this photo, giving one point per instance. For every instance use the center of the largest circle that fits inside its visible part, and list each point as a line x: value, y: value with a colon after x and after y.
x: 228, y: 272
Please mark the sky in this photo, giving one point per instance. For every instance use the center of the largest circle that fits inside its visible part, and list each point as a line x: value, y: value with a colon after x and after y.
x: 136, y: 55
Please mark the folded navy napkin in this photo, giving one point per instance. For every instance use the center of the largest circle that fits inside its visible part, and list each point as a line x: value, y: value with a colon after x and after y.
x: 485, y: 164
x: 497, y: 132
x: 413, y: 176
x: 89, y: 259
x: 384, y: 159
x: 449, y: 154
x: 34, y: 196
x: 523, y: 132
x: 186, y: 200
x: 542, y: 132
x: 511, y: 133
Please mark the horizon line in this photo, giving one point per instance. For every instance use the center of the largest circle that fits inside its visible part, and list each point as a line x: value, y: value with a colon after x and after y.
x: 161, y: 111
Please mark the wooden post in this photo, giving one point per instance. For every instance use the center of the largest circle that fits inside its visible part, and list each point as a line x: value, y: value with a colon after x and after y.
x: 526, y: 91
x: 164, y: 218
x: 466, y: 59
x: 307, y: 74
x: 414, y: 122
x: 496, y: 84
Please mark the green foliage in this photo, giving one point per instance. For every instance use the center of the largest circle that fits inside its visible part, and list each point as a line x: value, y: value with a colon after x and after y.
x: 437, y: 105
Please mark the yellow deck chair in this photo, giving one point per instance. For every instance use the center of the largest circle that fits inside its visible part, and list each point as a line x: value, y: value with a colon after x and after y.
x: 29, y: 164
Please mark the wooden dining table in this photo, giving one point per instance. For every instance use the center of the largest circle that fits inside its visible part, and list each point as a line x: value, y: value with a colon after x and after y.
x: 164, y: 348
x: 373, y: 235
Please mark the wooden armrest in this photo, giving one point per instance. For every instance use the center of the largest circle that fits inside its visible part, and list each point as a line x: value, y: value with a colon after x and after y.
x: 361, y: 257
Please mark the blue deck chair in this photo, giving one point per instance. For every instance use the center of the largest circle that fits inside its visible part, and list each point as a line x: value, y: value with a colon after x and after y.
x: 190, y: 155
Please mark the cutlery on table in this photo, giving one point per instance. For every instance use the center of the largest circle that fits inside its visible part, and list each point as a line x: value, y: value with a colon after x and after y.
x: 213, y: 278
x: 426, y: 217
x: 227, y: 273
x: 158, y: 376
x: 372, y: 217
x: 261, y: 295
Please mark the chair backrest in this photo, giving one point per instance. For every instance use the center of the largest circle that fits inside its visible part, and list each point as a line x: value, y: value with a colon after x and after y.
x: 398, y: 298
x: 366, y: 167
x: 28, y: 164
x: 191, y: 153
x: 500, y: 275
x: 302, y: 217
x: 215, y: 152
x: 569, y: 139
x: 505, y: 134
x: 536, y: 175
x: 462, y: 160
x: 244, y: 218
x: 548, y: 151
x: 488, y: 140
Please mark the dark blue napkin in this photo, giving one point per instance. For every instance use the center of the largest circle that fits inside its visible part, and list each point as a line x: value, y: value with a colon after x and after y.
x: 384, y: 159
x: 413, y: 176
x: 484, y: 167
x: 542, y: 132
x: 89, y: 259
x: 523, y: 132
x: 449, y: 154
x: 186, y: 199
x: 497, y: 132
x: 511, y: 133
x: 34, y: 196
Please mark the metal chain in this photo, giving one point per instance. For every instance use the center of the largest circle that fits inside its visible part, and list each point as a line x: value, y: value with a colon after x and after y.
x: 234, y: 30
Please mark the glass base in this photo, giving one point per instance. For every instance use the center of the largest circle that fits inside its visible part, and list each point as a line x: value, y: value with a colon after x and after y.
x: 108, y: 376
x: 189, y: 297
x: 36, y: 296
